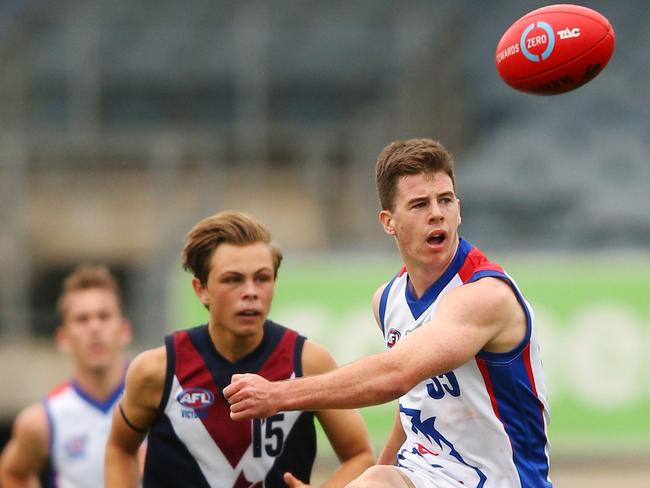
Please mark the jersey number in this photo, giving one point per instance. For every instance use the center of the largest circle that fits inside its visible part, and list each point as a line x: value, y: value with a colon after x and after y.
x: 441, y: 384
x: 272, y: 439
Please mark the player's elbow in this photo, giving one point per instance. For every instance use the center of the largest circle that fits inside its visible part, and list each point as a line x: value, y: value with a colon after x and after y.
x: 365, y: 459
x: 396, y: 383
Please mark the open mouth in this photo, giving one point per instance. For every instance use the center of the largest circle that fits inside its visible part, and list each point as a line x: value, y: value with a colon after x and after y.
x: 249, y: 313
x: 97, y: 348
x: 436, y: 238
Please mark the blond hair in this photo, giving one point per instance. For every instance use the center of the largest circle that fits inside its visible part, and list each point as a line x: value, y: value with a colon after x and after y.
x: 86, y: 277
x: 224, y: 227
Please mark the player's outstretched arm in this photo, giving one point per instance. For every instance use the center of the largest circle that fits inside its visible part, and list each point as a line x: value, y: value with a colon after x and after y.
x: 27, y: 451
x: 468, y: 318
x: 133, y: 417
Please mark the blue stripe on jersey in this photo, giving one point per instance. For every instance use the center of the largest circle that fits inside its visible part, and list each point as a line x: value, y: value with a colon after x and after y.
x: 508, y: 374
x: 382, y: 304
x: 419, y: 305
x: 518, y: 403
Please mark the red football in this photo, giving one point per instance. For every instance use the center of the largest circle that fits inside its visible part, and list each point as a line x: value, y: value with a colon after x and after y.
x: 554, y: 49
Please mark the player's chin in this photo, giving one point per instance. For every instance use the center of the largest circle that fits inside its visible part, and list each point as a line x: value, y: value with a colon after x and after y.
x: 97, y: 365
x: 249, y: 323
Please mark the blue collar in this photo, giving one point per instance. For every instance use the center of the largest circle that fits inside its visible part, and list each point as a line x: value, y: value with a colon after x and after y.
x: 419, y: 305
x: 103, y: 406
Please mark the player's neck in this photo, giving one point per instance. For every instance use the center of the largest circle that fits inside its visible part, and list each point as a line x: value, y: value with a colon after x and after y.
x: 234, y: 347
x: 423, y: 275
x: 100, y: 383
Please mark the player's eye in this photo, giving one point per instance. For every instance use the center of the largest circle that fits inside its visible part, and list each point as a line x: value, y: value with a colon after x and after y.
x: 231, y: 279
x: 81, y: 319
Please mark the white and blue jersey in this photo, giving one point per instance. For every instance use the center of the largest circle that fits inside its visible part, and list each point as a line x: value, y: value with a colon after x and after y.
x: 79, y: 427
x: 483, y: 424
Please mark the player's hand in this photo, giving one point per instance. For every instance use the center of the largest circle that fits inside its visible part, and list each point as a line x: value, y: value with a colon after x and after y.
x: 293, y: 482
x: 250, y: 396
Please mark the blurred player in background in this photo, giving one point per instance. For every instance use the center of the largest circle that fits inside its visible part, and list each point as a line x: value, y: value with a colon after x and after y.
x: 70, y: 427
x: 174, y: 393
x: 463, y: 359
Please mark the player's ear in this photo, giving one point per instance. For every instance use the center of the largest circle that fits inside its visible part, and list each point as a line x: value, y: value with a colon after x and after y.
x: 386, y: 219
x: 200, y: 291
x: 126, y: 333
x: 62, y: 341
x: 459, y: 217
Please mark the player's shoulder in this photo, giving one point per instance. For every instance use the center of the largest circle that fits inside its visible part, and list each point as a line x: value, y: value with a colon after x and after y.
x: 490, y: 296
x: 148, y: 368
x: 488, y: 288
x: 31, y: 425
x: 316, y: 359
x: 376, y: 297
x: 384, y: 287
x: 59, y: 390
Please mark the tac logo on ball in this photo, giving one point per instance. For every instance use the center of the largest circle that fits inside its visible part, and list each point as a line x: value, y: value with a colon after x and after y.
x: 533, y: 40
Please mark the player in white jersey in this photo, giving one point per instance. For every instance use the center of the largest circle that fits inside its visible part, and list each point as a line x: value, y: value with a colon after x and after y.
x: 463, y: 359
x: 70, y: 427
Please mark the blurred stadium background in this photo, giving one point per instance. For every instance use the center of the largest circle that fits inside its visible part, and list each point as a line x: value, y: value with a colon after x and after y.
x: 124, y: 122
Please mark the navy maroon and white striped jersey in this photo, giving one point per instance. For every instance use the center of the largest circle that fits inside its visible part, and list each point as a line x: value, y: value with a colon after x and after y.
x: 483, y: 424
x: 194, y: 442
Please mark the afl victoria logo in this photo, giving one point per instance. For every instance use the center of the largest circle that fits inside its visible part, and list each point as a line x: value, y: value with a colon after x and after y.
x: 195, y: 398
x: 392, y: 337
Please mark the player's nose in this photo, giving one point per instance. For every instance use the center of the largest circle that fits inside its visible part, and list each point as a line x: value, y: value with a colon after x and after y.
x: 250, y: 290
x: 435, y: 213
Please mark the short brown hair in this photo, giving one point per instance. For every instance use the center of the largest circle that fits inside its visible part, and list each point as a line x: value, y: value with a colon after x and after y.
x: 224, y: 227
x: 86, y: 277
x: 410, y: 157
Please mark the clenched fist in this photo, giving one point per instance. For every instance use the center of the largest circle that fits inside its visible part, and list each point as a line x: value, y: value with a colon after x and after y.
x: 250, y: 396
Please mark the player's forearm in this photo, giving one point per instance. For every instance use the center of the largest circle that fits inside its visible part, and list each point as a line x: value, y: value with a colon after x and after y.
x: 350, y: 469
x: 388, y: 454
x: 395, y: 439
x: 121, y: 468
x: 12, y: 480
x: 369, y: 381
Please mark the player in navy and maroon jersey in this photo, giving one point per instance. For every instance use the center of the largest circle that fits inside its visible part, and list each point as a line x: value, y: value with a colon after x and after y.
x: 174, y: 393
